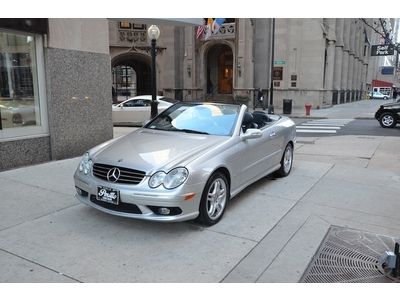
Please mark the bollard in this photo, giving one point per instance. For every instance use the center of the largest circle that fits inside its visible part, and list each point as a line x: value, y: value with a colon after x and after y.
x: 308, y: 109
x: 396, y: 270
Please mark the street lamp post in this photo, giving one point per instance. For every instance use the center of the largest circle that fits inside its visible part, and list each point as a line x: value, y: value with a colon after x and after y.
x: 153, y: 33
x: 271, y: 94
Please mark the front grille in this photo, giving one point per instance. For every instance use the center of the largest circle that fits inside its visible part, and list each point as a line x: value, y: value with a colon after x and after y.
x: 127, y: 176
x: 121, y: 207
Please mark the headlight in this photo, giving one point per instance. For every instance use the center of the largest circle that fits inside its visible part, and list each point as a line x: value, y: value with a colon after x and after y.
x: 86, y: 164
x: 157, y: 179
x: 171, y: 180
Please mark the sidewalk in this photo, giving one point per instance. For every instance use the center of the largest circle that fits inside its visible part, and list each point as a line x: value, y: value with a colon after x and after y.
x: 363, y: 109
x: 269, y: 232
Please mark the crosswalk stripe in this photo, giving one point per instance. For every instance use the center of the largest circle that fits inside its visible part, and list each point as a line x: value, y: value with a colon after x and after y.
x: 318, y: 127
x: 310, y: 124
x: 332, y: 120
x: 322, y: 125
x: 315, y: 131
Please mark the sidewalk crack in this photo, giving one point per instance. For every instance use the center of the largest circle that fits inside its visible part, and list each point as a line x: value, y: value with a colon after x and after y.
x: 43, y: 266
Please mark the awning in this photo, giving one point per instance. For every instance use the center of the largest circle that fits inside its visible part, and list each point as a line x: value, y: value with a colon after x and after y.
x: 381, y: 83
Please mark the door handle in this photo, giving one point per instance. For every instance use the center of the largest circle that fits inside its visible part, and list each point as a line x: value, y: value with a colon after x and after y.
x: 272, y: 134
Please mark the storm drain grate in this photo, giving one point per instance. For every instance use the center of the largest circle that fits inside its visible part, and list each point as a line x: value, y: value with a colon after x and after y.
x: 348, y: 255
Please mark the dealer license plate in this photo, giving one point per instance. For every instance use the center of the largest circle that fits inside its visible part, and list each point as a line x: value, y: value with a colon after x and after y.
x: 108, y: 195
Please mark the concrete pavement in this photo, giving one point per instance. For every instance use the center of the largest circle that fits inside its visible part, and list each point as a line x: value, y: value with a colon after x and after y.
x: 269, y: 233
x: 363, y: 109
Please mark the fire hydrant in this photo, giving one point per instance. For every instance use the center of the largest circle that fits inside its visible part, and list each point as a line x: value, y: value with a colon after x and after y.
x: 308, y: 109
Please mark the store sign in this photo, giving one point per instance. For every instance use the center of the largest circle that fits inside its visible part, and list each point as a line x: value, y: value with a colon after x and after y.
x: 382, y: 50
x: 387, y: 70
x: 279, y: 62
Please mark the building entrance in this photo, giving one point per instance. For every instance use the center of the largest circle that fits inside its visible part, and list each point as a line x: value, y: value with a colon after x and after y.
x: 131, y: 76
x: 220, y: 70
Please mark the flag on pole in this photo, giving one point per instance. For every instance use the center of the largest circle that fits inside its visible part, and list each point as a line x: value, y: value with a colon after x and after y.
x: 217, y: 24
x: 208, y: 29
x: 200, y: 31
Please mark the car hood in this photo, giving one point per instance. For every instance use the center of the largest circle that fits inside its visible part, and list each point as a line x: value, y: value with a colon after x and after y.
x: 151, y: 150
x: 391, y: 104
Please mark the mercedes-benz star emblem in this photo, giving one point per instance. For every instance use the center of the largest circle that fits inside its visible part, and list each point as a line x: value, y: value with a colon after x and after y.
x: 113, y: 174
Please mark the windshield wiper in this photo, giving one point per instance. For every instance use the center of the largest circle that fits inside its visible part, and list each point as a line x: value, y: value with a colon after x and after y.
x: 190, y: 131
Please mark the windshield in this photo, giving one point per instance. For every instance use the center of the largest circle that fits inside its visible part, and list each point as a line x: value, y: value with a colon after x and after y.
x: 214, y: 119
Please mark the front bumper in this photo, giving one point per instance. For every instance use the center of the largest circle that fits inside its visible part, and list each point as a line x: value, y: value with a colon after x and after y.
x: 378, y: 114
x: 140, y: 201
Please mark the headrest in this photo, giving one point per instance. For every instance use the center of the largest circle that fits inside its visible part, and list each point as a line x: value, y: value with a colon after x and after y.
x: 247, y: 118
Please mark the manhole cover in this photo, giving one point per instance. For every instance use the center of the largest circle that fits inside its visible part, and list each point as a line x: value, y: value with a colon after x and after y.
x: 348, y: 255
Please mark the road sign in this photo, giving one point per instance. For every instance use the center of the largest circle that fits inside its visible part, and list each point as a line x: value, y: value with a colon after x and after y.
x: 382, y: 50
x: 279, y: 62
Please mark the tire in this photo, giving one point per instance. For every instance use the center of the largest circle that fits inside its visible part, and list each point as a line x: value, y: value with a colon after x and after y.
x: 385, y: 98
x: 387, y: 120
x: 17, y: 119
x: 286, y: 162
x: 215, y: 196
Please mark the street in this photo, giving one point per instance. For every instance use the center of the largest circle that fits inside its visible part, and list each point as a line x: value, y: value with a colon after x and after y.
x: 328, y: 127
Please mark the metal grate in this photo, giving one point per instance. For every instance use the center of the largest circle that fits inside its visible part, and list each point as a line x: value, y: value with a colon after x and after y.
x: 348, y: 255
x: 127, y: 176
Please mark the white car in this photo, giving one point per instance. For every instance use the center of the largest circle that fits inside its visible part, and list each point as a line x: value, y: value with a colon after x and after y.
x: 17, y: 113
x: 135, y: 111
x: 379, y: 95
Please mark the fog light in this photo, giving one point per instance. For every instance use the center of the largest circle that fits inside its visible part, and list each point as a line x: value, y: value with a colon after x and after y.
x: 81, y: 192
x: 164, y: 211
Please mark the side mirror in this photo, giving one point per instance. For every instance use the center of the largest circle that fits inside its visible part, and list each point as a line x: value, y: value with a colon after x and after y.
x: 251, y: 133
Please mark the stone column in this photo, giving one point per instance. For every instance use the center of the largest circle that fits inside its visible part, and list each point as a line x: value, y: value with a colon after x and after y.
x: 351, y: 62
x: 329, y: 71
x: 345, y: 60
x: 330, y: 60
x: 337, y: 73
x: 356, y: 62
x: 189, y: 81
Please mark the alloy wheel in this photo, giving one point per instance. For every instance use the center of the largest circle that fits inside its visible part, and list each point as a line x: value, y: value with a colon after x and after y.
x: 216, y: 198
x: 387, y: 120
x: 287, y: 159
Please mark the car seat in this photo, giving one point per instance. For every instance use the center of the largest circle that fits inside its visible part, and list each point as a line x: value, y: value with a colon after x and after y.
x: 248, y: 121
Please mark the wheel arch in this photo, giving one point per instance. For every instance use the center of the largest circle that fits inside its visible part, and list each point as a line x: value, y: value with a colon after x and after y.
x: 224, y: 170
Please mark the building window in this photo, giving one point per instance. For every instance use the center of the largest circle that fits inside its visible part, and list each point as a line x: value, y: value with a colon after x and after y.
x: 293, y: 84
x: 22, y: 103
x: 124, y: 25
x: 139, y: 26
x: 124, y: 83
x: 277, y: 73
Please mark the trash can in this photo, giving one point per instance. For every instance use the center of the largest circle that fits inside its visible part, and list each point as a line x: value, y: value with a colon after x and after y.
x: 287, y: 106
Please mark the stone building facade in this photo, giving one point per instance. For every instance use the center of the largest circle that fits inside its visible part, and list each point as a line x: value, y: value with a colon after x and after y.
x: 58, y: 77
x: 318, y: 61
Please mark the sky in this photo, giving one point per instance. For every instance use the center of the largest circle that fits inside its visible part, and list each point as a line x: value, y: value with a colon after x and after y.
x: 199, y: 9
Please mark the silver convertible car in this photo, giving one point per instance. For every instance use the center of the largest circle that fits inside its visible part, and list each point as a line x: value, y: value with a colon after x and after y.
x: 186, y: 163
